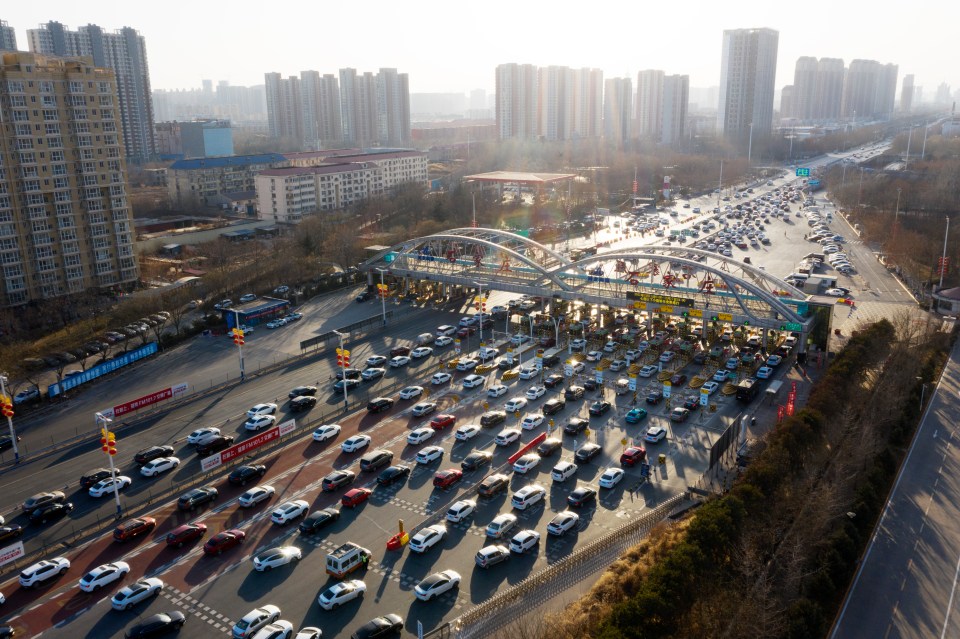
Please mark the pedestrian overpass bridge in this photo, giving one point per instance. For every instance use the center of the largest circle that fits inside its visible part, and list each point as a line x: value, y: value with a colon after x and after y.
x: 665, y: 280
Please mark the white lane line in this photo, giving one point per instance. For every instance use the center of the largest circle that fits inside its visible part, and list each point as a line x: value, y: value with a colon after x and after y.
x: 953, y: 591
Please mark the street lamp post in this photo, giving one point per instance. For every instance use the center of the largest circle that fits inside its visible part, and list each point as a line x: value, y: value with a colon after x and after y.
x: 383, y: 296
x: 343, y: 369
x: 943, y: 259
x: 750, y: 146
x: 107, y: 438
x: 481, y: 306
x: 860, y: 189
x: 896, y: 215
x: 13, y: 434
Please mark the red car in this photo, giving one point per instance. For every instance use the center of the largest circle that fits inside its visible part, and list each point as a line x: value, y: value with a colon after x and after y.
x: 633, y: 455
x: 133, y: 528
x: 399, y: 350
x: 224, y: 541
x: 185, y: 533
x: 355, y: 496
x: 442, y: 421
x: 466, y: 331
x: 678, y: 379
x: 447, y: 478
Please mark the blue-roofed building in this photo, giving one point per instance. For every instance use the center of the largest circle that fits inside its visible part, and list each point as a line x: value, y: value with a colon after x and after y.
x: 207, y: 181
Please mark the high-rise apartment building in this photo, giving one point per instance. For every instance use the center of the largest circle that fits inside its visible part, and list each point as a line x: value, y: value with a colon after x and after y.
x: 284, y: 112
x: 587, y: 99
x: 817, y: 89
x: 676, y: 96
x: 8, y: 37
x: 393, y: 107
x: 375, y: 108
x: 124, y: 51
x: 517, y: 106
x: 65, y: 222
x: 748, y: 71
x: 869, y: 90
x: 906, y: 93
x: 649, y: 103
x: 617, y: 109
x: 320, y: 104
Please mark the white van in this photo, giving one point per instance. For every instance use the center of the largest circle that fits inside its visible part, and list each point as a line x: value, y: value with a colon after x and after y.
x: 563, y: 471
x: 346, y: 559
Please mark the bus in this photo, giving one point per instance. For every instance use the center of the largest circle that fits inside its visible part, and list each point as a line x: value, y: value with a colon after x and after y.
x: 747, y: 389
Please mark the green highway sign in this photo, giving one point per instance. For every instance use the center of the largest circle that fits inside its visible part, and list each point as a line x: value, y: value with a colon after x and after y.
x: 791, y: 326
x: 803, y: 172
x: 688, y: 231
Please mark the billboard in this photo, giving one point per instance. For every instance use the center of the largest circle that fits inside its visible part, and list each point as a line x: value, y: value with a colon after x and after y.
x: 247, y: 445
x: 142, y: 402
x: 102, y: 369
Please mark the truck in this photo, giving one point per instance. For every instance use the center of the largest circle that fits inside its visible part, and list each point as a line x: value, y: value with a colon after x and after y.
x: 346, y: 559
x: 747, y: 389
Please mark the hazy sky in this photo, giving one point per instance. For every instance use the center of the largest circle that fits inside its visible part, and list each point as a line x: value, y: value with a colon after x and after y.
x: 455, y: 46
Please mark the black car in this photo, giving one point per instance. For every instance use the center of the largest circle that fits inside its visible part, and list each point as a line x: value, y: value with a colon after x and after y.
x: 364, y: 296
x: 599, y: 407
x: 492, y: 418
x: 11, y: 531
x: 49, y: 512
x: 654, y: 397
x: 6, y: 443
x: 96, y: 475
x: 302, y: 402
x: 214, y: 445
x: 380, y: 404
x: 300, y: 391
x: 349, y: 373
x: 553, y: 379
x: 581, y: 495
x: 476, y: 459
x: 376, y: 459
x: 250, y: 472
x: 157, y: 625
x: 147, y: 455
x: 549, y: 446
x: 393, y: 474
x: 350, y: 384
x: 197, y: 497
x: 318, y: 519
x: 379, y: 627
x: 591, y: 384
x: 575, y: 426
x: 554, y: 405
x: 587, y: 452
x: 573, y: 393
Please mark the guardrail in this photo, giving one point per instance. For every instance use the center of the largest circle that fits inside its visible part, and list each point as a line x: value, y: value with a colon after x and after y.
x: 506, y: 606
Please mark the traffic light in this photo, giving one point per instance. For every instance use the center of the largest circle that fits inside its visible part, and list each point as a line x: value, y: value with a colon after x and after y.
x: 7, y: 406
x: 746, y: 322
x: 343, y: 357
x: 714, y: 318
x: 382, y: 289
x: 476, y: 302
x: 686, y: 313
x: 238, y: 336
x: 108, y: 441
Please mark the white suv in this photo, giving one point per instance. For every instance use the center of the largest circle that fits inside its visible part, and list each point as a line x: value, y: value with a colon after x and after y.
x: 43, y: 571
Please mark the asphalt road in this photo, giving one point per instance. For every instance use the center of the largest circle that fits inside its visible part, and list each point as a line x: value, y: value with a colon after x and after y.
x: 906, y: 586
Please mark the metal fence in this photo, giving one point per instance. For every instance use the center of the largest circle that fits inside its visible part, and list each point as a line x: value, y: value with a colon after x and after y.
x: 507, y: 606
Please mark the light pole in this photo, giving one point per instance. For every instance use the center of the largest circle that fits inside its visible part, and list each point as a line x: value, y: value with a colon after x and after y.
x: 943, y: 259
x: 238, y: 340
x: 860, y: 190
x: 343, y: 368
x: 108, y: 440
x: 750, y: 146
x: 383, y: 296
x: 720, y: 186
x: 9, y: 414
x: 896, y: 215
x: 481, y: 306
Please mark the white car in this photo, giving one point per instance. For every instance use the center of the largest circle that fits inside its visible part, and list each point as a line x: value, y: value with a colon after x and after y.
x: 261, y: 421
x: 577, y: 366
x: 578, y: 344
x: 285, y: 513
x: 106, y: 486
x: 610, y: 477
x: 563, y: 522
x: 764, y: 372
x: 594, y: 356
x: 647, y: 371
x: 519, y: 339
x: 43, y: 570
x: 610, y: 346
x: 507, y: 436
x: 159, y: 465
x: 355, y: 443
x: 326, y: 431
x: 371, y: 374
x: 421, y: 351
x: 531, y: 421
x: 443, y: 340
x: 254, y: 620
x: 497, y: 391
x: 340, y: 593
x: 136, y: 592
x: 618, y: 365
x: 528, y: 496
x: 515, y: 404
x: 524, y: 541
x: 468, y: 320
x: 529, y: 372
x: 103, y: 575
x: 399, y: 360
x: 535, y: 392
x: 249, y: 297
x: 262, y: 409
x: 375, y: 361
x: 280, y: 629
x: 667, y: 356
x: 834, y: 292
x: 424, y: 408
x: 467, y: 364
x: 411, y: 391
x: 427, y: 537
x: 26, y: 395
x: 721, y: 375
x: 437, y: 584
x: 440, y: 378
x: 711, y: 387
x: 255, y: 495
x: 202, y: 435
x: 467, y: 431
x: 429, y: 454
x: 420, y: 435
x: 472, y: 381
x: 526, y: 463
x: 446, y: 330
x: 276, y: 557
x: 461, y: 510
x: 655, y: 434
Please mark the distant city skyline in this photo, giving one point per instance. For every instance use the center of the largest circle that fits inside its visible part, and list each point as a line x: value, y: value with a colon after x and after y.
x: 445, y: 51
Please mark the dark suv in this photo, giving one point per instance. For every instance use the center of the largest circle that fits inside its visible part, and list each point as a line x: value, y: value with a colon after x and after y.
x: 250, y: 472
x: 573, y: 393
x: 492, y: 418
x: 376, y: 459
x: 553, y: 405
x: 380, y: 404
x: 493, y: 485
x: 147, y: 455
x: 214, y: 445
x: 197, y: 497
x: 575, y: 426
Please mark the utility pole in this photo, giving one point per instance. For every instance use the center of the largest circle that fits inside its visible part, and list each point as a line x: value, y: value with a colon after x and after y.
x: 343, y: 359
x: 109, y: 442
x: 238, y: 340
x: 8, y: 413
x: 943, y: 260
